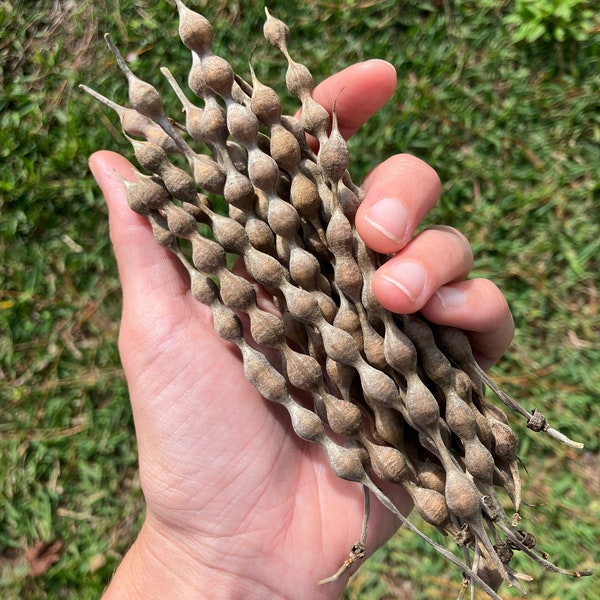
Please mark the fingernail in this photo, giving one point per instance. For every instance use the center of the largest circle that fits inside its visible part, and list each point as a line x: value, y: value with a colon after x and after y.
x: 93, y: 168
x: 383, y: 62
x: 409, y: 277
x: 390, y: 218
x: 450, y: 297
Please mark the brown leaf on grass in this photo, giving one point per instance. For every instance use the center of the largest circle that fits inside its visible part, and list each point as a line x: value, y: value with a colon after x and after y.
x: 96, y: 562
x: 42, y: 555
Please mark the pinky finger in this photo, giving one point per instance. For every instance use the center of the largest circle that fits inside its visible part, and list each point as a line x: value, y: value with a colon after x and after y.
x: 479, y: 308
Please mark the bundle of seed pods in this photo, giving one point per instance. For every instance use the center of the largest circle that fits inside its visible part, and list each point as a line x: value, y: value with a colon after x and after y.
x: 393, y: 397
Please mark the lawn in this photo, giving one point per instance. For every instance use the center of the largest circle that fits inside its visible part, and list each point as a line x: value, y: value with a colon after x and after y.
x: 502, y: 99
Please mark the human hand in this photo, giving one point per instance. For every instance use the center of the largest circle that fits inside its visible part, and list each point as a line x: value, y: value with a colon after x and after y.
x: 237, y: 505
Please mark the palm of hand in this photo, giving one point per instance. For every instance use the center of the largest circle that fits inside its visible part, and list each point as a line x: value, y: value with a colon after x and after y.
x: 262, y: 489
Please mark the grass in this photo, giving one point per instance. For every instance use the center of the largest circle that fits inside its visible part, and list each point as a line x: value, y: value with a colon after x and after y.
x: 513, y: 128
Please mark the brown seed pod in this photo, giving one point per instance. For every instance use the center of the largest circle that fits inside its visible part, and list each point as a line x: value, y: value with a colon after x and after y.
x: 431, y: 475
x: 276, y: 32
x: 194, y: 29
x: 431, y: 505
x: 333, y: 157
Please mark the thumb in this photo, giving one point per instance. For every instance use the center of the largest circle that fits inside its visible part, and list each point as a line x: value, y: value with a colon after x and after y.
x: 146, y: 269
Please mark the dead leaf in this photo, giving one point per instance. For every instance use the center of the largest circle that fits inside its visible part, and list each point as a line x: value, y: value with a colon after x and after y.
x: 577, y: 342
x: 42, y: 555
x: 96, y: 562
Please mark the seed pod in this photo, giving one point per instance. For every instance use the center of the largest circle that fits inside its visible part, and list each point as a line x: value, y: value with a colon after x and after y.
x: 464, y: 388
x: 194, y: 29
x: 505, y: 443
x: 147, y: 193
x: 161, y: 232
x: 218, y: 76
x: 431, y: 476
x: 421, y: 406
x: 389, y: 426
x: 314, y: 118
x: 343, y: 416
x: 431, y: 505
x: 333, y: 157
x: 347, y: 463
x: 143, y: 97
x: 389, y: 464
x: 373, y: 343
x: 264, y: 101
x: 229, y: 234
x: 285, y: 150
x: 239, y: 191
x: 193, y: 114
x: 347, y: 275
x: 276, y: 32
x: 136, y: 125
x: 207, y: 256
x: 462, y: 497
x: 478, y: 461
x: 242, y: 124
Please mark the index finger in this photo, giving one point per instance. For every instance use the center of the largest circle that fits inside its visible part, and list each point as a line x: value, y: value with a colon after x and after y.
x: 366, y: 86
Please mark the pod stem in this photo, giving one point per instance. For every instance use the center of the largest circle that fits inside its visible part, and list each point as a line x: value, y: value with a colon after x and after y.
x: 535, y: 419
x: 359, y: 548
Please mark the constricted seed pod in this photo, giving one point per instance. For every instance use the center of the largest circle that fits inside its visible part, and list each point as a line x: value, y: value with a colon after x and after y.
x: 389, y: 464
x: 276, y: 32
x: 430, y: 504
x: 432, y: 476
x: 333, y: 157
x: 194, y: 29
x: 462, y: 497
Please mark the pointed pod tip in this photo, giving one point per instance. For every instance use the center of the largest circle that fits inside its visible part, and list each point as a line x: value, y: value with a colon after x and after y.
x: 117, y: 54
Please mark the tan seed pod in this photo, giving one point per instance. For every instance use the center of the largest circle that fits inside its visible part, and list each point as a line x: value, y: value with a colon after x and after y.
x: 238, y: 191
x: 333, y: 157
x: 147, y: 193
x: 389, y: 426
x: 344, y: 417
x: 264, y: 101
x: 276, y: 32
x: 479, y: 462
x: 136, y: 125
x: 194, y: 29
x: 242, y: 124
x: 229, y: 234
x: 193, y: 113
x: 347, y: 275
x: 207, y: 256
x: 463, y: 386
x: 431, y: 475
x: 285, y: 149
x: 389, y: 464
x: 430, y: 504
x: 143, y: 97
x: 161, y: 232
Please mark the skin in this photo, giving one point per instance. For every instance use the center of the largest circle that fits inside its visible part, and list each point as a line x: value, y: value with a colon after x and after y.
x: 237, y: 506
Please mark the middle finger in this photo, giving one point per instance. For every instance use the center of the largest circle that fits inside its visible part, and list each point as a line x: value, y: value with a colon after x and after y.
x: 435, y: 257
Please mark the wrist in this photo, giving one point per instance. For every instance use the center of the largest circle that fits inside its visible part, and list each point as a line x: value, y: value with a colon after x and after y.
x: 156, y: 567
